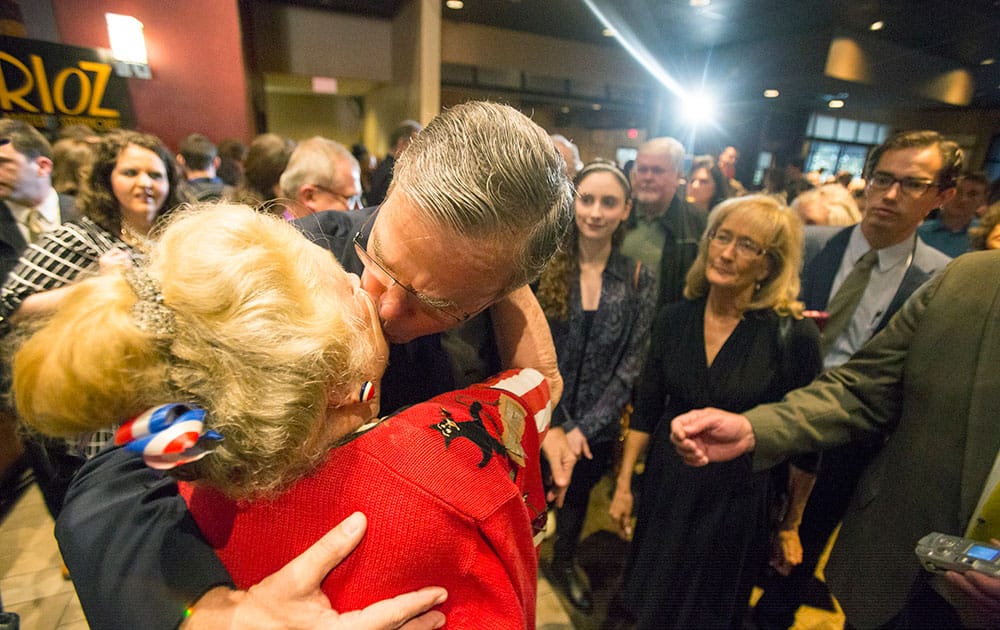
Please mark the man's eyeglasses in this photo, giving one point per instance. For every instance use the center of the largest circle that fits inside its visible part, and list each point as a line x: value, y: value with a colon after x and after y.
x: 912, y: 186
x: 745, y: 247
x: 436, y: 308
x: 352, y: 203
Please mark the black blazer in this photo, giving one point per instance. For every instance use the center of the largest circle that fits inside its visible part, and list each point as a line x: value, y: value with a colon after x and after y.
x: 12, y: 243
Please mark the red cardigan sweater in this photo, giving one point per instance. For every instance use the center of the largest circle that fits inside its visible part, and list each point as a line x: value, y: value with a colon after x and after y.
x: 451, y: 488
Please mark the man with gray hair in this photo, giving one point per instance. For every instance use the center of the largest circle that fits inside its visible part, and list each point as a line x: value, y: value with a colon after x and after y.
x: 479, y: 203
x: 321, y: 175
x: 663, y: 231
x: 570, y: 154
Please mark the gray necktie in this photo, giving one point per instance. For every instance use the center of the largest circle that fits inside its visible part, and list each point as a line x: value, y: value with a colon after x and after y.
x: 845, y: 302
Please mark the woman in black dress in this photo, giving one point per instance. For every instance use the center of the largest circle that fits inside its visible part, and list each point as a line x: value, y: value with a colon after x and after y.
x: 737, y: 340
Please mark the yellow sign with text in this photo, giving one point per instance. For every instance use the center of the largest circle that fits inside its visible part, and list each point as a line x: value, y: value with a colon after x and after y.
x: 53, y: 86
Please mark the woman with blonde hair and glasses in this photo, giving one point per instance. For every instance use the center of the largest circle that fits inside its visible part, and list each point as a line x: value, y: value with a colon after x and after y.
x: 737, y: 340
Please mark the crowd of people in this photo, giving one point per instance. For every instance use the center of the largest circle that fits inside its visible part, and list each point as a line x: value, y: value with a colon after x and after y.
x: 236, y: 363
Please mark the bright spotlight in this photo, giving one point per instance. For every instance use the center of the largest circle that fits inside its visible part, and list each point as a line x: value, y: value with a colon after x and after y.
x: 698, y: 108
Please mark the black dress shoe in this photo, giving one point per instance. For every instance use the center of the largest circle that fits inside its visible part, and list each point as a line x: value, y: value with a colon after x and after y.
x: 570, y: 579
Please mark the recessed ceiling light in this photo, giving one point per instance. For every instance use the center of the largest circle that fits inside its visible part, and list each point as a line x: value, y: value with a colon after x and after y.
x: 877, y: 26
x: 700, y: 3
x: 771, y: 93
x: 455, y: 4
x: 835, y: 104
x: 608, y: 32
x: 596, y: 107
x: 988, y: 62
x: 565, y: 109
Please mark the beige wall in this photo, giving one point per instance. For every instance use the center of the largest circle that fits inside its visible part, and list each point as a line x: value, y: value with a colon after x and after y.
x: 400, y: 59
x: 301, y: 116
x: 415, y: 90
x: 312, y: 42
x: 487, y: 47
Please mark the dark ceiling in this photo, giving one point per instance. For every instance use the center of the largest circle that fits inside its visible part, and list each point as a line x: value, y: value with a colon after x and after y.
x: 749, y: 45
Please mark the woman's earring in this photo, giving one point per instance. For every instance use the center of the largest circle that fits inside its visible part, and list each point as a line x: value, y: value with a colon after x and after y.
x: 367, y: 392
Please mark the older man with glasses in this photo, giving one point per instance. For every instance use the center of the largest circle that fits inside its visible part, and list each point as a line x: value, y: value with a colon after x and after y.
x: 478, y: 204
x: 321, y: 175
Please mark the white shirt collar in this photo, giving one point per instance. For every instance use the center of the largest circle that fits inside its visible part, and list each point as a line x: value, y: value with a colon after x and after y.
x: 888, y: 257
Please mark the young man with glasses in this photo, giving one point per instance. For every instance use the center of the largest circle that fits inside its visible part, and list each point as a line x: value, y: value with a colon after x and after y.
x: 909, y: 175
x: 468, y: 222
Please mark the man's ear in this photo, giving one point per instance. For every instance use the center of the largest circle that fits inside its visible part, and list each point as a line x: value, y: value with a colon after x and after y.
x: 945, y: 196
x: 44, y: 165
x: 216, y: 162
x: 305, y: 194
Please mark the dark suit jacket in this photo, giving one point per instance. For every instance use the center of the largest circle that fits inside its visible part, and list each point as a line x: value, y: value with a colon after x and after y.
x: 816, y: 238
x: 682, y: 226
x: 12, y: 243
x: 381, y: 179
x: 818, y: 274
x: 929, y: 380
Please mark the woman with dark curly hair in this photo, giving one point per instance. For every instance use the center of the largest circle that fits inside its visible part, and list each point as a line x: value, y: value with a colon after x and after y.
x: 599, y: 304
x: 131, y: 186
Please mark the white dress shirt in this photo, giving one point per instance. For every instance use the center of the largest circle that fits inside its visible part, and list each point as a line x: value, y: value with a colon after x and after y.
x: 886, y: 276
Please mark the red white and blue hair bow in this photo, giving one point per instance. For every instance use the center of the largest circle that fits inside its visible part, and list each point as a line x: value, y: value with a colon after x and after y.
x: 168, y: 435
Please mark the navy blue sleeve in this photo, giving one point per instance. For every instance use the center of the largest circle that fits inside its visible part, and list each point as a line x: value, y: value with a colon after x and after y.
x: 135, y: 554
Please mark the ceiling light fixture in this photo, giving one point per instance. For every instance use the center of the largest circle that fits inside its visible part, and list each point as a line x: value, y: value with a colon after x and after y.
x: 989, y: 61
x: 596, y: 107
x: 127, y: 41
x: 564, y: 109
x: 608, y: 32
x: 700, y: 3
x: 771, y: 93
x: 455, y: 4
x: 698, y: 108
x: 835, y: 104
x: 877, y: 26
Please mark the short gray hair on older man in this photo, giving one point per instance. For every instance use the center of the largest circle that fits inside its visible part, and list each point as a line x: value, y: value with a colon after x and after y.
x: 485, y: 171
x: 668, y: 146
x: 314, y: 161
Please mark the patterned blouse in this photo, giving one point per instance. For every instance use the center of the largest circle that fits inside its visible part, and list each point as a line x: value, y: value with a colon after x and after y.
x: 600, y: 363
x: 63, y: 256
